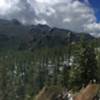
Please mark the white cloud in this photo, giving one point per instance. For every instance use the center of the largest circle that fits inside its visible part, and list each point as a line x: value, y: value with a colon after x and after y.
x: 67, y: 20
x: 40, y: 21
x: 49, y: 2
x: 7, y: 6
x: 68, y: 14
x: 93, y: 28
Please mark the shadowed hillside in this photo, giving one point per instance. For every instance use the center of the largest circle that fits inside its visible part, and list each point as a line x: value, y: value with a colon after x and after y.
x: 31, y: 36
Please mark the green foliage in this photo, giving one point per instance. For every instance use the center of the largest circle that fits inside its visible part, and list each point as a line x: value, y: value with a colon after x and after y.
x: 85, y: 67
x: 75, y: 79
x: 24, y: 73
x: 88, y: 63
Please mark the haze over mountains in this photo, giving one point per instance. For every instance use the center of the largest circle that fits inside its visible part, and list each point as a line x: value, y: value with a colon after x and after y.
x: 13, y: 34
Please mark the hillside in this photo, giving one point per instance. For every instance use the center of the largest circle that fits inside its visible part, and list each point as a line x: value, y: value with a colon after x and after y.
x: 13, y: 34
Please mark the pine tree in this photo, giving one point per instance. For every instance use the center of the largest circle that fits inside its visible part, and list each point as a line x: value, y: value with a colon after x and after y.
x: 87, y: 63
x: 75, y: 81
x: 66, y: 68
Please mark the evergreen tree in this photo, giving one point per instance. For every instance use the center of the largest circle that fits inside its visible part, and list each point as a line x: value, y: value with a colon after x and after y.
x: 67, y: 66
x: 75, y: 80
x: 87, y: 63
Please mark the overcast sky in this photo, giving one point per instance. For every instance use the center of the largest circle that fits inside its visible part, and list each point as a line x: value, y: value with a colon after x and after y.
x: 76, y: 15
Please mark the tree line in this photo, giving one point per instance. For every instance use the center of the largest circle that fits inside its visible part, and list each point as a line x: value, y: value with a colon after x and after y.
x: 24, y: 73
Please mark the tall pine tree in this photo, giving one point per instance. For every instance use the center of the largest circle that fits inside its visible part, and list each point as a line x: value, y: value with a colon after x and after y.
x: 87, y: 63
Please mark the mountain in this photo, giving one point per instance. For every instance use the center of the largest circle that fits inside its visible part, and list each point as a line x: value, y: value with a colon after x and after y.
x: 13, y: 34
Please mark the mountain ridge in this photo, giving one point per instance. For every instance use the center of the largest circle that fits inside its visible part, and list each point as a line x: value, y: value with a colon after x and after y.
x: 33, y: 36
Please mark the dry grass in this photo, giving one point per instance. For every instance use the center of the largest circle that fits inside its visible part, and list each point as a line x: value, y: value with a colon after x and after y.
x: 89, y: 92
x: 47, y: 93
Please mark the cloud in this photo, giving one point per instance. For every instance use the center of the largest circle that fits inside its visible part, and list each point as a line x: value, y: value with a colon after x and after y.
x: 18, y: 9
x: 69, y: 14
x: 40, y: 21
x: 93, y: 28
x: 6, y: 6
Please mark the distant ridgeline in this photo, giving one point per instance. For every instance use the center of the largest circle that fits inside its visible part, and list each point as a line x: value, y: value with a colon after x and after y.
x: 15, y: 35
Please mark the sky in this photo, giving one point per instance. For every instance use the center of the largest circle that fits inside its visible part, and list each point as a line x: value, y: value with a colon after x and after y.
x: 75, y: 15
